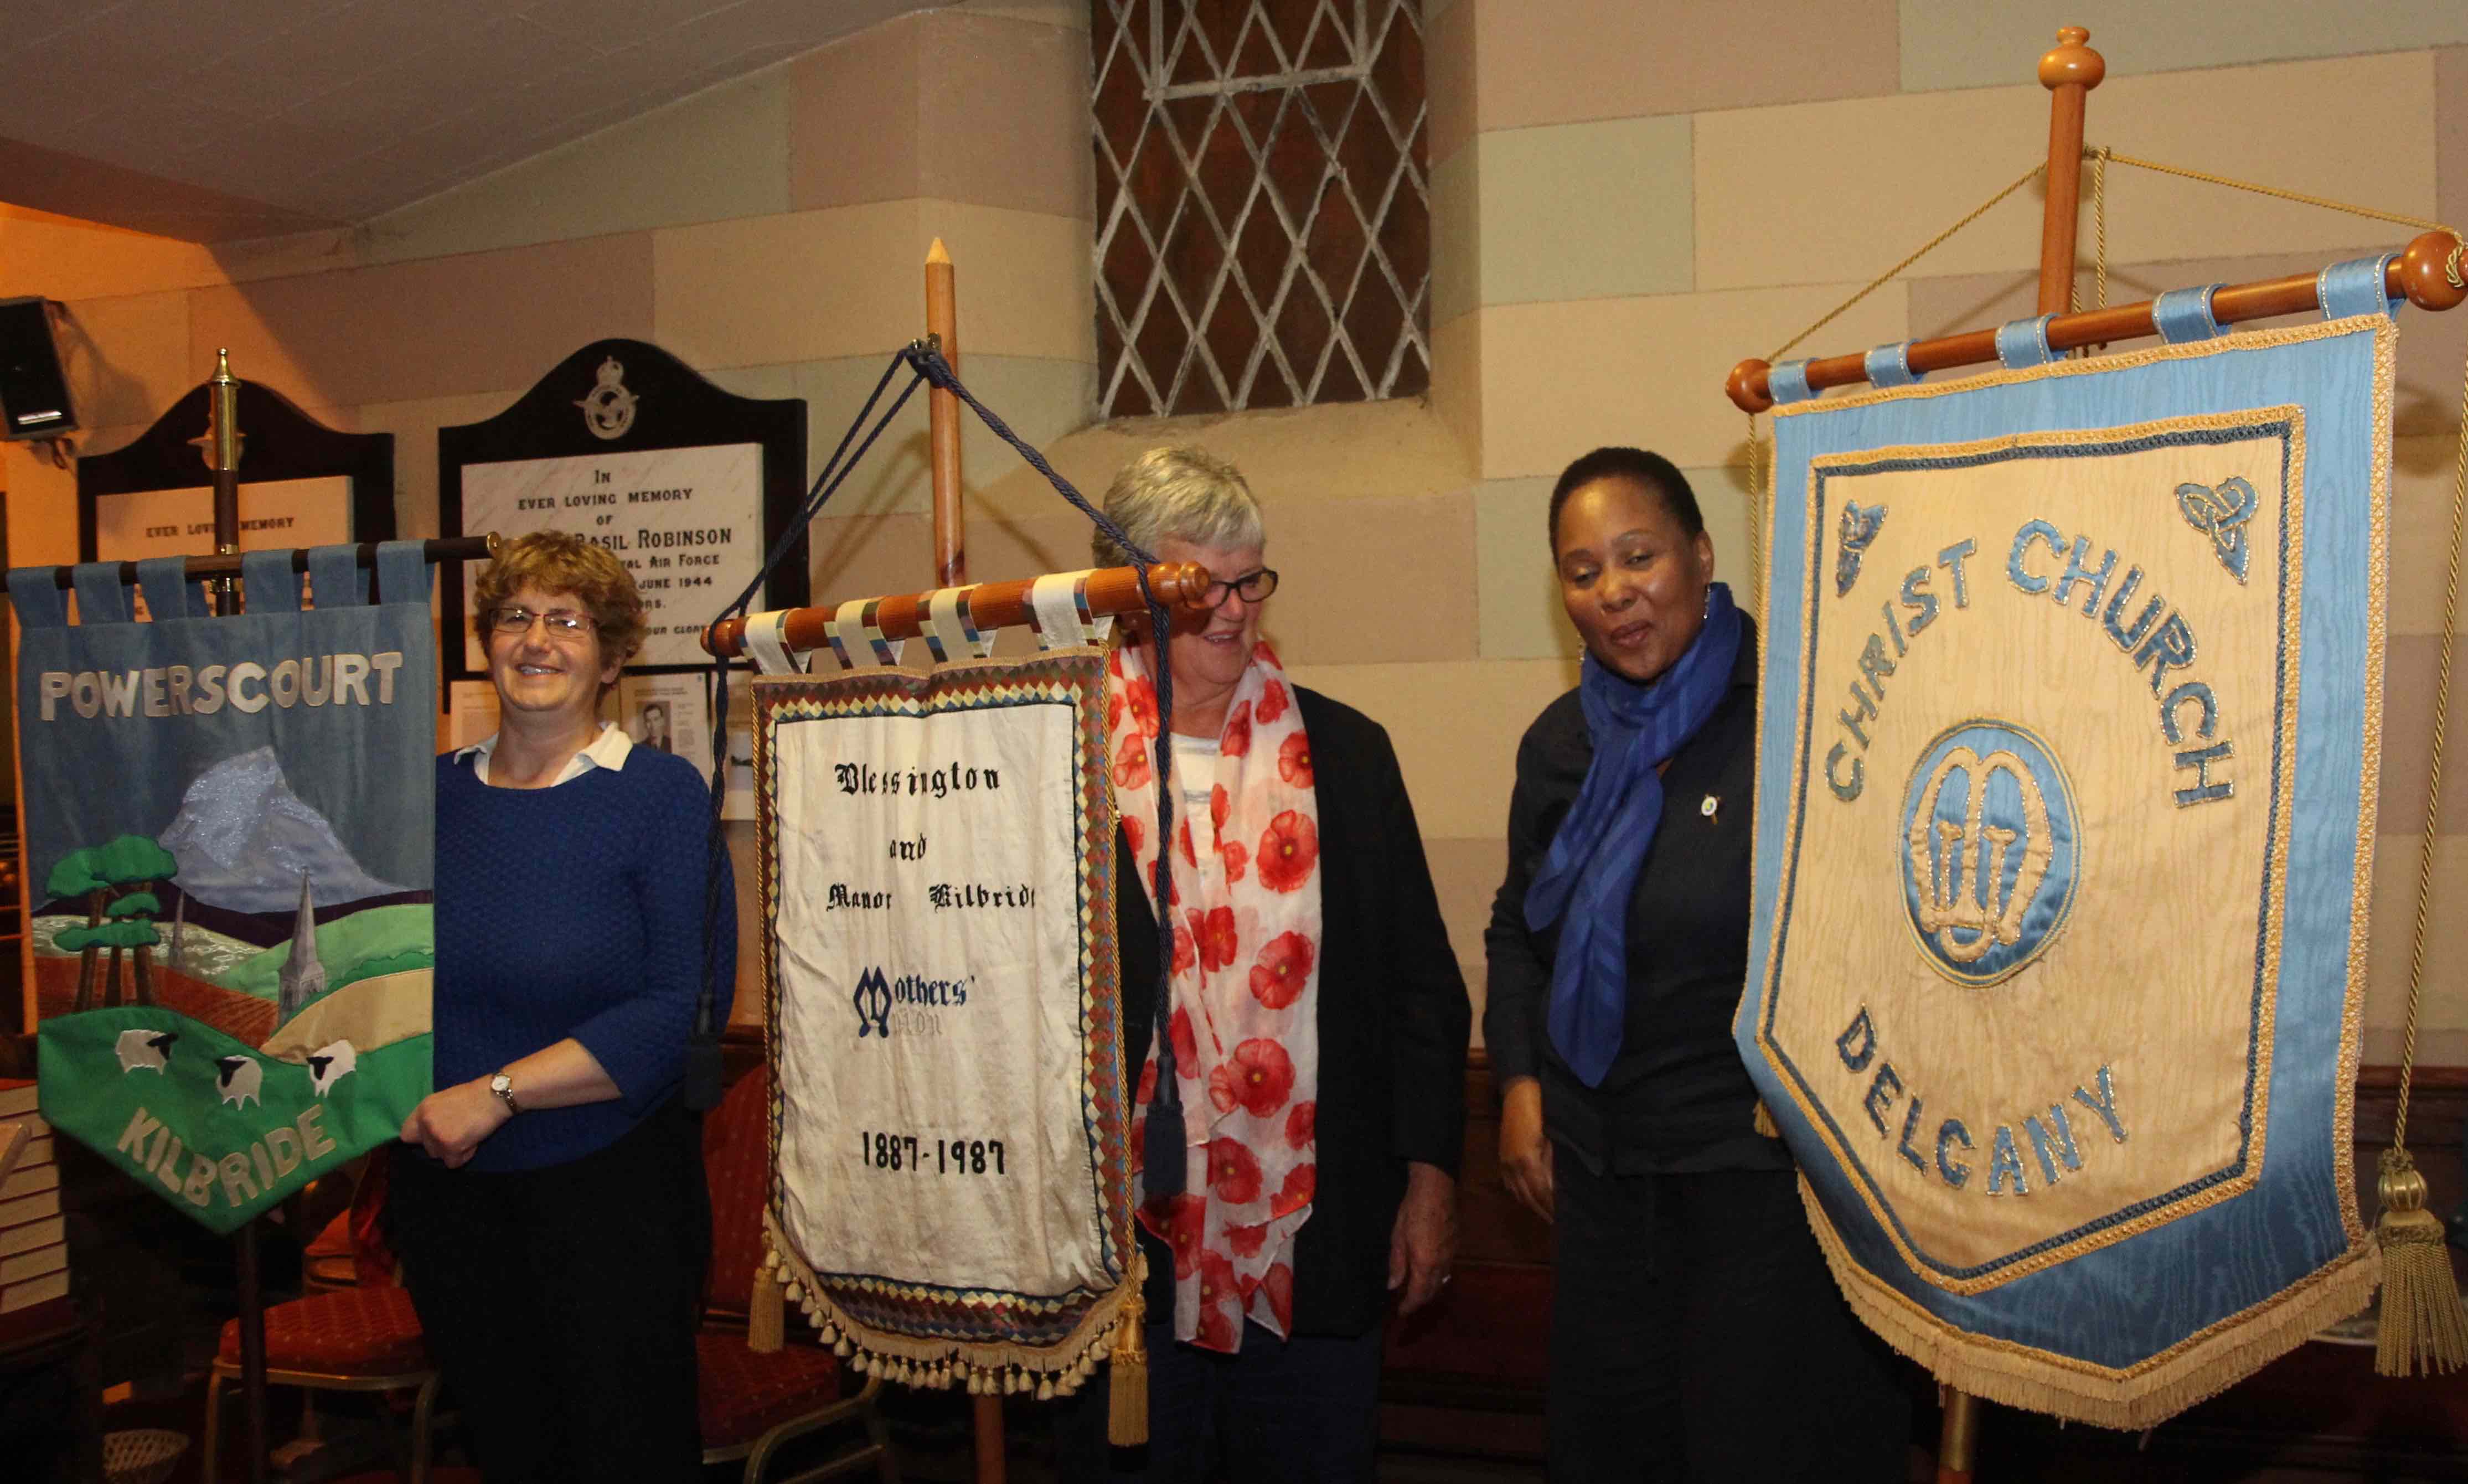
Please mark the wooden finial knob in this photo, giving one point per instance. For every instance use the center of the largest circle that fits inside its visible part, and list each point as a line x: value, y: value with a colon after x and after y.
x: 2072, y: 62
x: 1745, y: 386
x: 2434, y: 272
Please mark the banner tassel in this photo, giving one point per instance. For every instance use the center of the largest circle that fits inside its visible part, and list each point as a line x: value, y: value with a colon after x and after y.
x: 1127, y: 1411
x: 1764, y: 1122
x: 2423, y: 1323
x: 766, y: 1319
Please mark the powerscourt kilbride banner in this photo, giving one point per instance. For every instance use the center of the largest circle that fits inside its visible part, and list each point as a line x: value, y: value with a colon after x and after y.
x: 2071, y: 702
x: 952, y: 1195
x: 230, y: 828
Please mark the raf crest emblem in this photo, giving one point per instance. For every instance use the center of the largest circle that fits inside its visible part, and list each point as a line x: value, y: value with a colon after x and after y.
x: 609, y: 408
x: 1860, y: 524
x: 2221, y: 513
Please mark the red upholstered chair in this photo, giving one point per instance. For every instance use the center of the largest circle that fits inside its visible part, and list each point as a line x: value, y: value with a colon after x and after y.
x: 364, y: 1338
x: 750, y: 1402
x: 327, y: 1263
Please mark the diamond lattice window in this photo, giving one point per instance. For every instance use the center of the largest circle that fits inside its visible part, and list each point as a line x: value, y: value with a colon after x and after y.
x: 1262, y: 203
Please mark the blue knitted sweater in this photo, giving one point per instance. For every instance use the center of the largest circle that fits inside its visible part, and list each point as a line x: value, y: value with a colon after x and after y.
x: 576, y: 910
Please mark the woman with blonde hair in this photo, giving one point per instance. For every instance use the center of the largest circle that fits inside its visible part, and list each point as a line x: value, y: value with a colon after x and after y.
x: 1313, y: 1055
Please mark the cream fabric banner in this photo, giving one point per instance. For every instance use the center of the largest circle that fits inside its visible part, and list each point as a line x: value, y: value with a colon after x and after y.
x: 938, y: 863
x: 2049, y: 927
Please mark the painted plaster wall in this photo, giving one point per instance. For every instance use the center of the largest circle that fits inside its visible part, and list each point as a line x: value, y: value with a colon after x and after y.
x: 1627, y: 199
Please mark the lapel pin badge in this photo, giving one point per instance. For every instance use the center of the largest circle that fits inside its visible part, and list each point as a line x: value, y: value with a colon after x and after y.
x: 1710, y: 805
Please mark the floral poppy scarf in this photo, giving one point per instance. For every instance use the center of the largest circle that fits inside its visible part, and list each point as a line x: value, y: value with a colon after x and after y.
x: 1245, y: 989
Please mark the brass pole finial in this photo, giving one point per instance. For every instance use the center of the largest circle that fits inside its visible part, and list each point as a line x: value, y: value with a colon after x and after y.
x: 221, y: 445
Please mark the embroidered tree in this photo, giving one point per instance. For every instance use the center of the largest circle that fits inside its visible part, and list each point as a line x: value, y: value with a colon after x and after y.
x: 132, y: 918
x: 117, y: 880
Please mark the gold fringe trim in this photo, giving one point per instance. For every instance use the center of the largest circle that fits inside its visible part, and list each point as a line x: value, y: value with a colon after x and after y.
x: 1127, y: 1411
x: 1764, y: 1122
x: 2423, y: 1325
x: 766, y: 1316
x: 2140, y: 1396
x: 997, y: 1368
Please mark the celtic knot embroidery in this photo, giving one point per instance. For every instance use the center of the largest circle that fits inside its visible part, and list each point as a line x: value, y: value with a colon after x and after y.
x: 2222, y: 513
x: 1860, y: 524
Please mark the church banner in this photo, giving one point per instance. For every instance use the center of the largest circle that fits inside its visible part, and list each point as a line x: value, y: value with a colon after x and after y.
x: 2070, y: 725
x: 951, y: 1195
x: 230, y: 833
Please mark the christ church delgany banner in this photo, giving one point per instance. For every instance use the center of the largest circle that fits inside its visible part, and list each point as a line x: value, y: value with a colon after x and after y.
x: 952, y: 1195
x: 2072, y: 702
x: 229, y: 827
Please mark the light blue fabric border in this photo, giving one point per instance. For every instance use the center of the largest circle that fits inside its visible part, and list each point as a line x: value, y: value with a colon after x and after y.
x: 2124, y: 1303
x: 2357, y: 286
x: 2184, y: 314
x: 268, y: 582
x: 35, y: 594
x: 2024, y: 343
x: 1788, y: 382
x: 1890, y: 365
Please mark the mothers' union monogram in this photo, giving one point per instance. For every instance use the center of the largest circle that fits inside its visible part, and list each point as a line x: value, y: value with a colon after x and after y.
x: 1990, y: 850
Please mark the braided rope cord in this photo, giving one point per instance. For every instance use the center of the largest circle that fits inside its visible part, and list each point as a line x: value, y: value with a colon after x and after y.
x: 2433, y: 770
x: 1163, y: 1147
x: 702, y: 1079
x: 1896, y: 271
x: 2099, y: 217
x: 2452, y: 271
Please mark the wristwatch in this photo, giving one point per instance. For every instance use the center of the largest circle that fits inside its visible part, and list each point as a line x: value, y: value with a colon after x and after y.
x: 503, y: 1087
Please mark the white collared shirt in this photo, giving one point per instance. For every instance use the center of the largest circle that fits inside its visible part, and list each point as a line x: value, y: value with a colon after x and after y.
x: 606, y: 750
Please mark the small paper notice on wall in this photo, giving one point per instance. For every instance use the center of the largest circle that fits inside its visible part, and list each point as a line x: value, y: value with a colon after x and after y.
x: 470, y: 713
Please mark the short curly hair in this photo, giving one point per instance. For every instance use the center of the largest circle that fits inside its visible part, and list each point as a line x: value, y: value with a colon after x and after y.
x: 560, y: 561
x: 1178, y: 494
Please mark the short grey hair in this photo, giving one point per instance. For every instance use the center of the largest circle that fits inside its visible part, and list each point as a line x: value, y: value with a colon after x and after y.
x: 1178, y: 494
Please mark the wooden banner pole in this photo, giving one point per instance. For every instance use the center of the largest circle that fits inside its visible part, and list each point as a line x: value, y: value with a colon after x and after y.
x: 943, y: 422
x: 951, y: 570
x: 2068, y: 72
x: 221, y: 447
x: 1110, y: 593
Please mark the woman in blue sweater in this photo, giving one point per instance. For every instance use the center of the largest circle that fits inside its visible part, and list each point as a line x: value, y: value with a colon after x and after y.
x: 551, y: 1217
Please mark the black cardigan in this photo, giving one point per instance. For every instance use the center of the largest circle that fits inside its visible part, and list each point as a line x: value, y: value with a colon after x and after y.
x: 1393, y: 1021
x: 1676, y: 1100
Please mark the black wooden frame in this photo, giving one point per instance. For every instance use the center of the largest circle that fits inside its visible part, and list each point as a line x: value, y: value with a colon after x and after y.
x: 278, y: 442
x: 675, y: 407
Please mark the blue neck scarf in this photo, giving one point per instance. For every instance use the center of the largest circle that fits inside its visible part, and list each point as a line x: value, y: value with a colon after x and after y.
x: 1592, y: 866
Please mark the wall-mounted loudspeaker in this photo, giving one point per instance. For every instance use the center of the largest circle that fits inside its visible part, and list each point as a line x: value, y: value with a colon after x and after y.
x: 33, y: 390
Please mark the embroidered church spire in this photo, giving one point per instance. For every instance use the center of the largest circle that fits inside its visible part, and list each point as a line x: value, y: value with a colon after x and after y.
x: 303, y: 978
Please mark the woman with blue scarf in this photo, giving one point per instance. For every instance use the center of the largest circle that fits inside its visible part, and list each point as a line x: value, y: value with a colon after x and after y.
x: 1695, y: 1333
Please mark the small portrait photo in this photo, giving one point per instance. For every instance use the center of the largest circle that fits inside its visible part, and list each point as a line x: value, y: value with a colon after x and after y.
x: 651, y: 729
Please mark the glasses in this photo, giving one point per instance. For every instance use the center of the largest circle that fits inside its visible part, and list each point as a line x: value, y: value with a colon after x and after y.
x: 1254, y: 586
x: 561, y: 622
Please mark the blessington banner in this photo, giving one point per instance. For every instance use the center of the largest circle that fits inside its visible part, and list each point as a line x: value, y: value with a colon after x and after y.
x: 230, y: 831
x: 2071, y: 720
x: 951, y: 1194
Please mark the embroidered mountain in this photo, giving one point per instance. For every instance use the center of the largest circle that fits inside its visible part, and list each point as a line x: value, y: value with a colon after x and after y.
x: 245, y: 839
